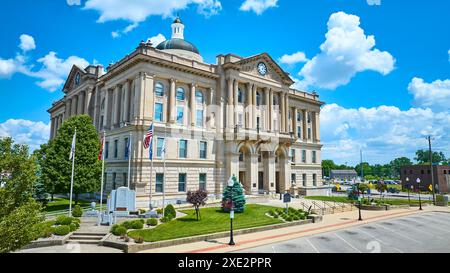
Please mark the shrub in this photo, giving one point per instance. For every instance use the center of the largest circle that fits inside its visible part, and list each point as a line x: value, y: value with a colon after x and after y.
x: 276, y: 216
x: 119, y: 231
x: 165, y: 219
x: 289, y: 219
x: 170, y: 211
x: 296, y: 218
x: 114, y: 228
x: 61, y: 230
x: 152, y: 222
x: 159, y: 211
x: 303, y: 216
x: 139, y: 240
x: 137, y: 225
x: 73, y: 227
x: 77, y: 211
x: 127, y: 224
x: 142, y: 221
x: 63, y: 220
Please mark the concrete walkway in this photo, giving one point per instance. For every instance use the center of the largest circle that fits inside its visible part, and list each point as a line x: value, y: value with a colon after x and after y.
x: 330, y: 222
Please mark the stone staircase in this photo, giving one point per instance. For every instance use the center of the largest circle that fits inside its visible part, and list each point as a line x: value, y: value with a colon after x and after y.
x: 92, y: 238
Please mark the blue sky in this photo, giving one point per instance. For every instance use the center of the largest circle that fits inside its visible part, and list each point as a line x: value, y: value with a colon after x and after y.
x: 382, y: 66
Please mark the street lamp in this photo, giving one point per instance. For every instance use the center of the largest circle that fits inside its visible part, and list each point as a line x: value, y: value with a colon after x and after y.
x: 420, y: 201
x: 359, y: 199
x: 407, y: 185
x: 231, y: 184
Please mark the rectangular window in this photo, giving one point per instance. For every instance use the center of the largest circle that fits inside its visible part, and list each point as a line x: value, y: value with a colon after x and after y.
x: 304, y: 180
x: 299, y: 116
x: 116, y: 148
x: 304, y: 156
x: 101, y: 122
x: 309, y: 117
x: 159, y: 182
x: 159, y: 146
x: 106, y: 149
x: 203, y: 146
x: 293, y: 179
x: 315, y: 180
x: 126, y: 148
x: 292, y: 155
x: 159, y: 112
x: 309, y: 133
x: 202, y: 181
x: 114, y: 181
x: 182, y: 182
x: 199, y: 121
x: 314, y: 155
x: 180, y: 114
x: 240, y: 119
x: 258, y: 123
x: 183, y: 149
x: 299, y: 132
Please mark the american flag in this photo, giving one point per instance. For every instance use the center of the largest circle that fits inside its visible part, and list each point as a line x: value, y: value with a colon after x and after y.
x: 148, y: 139
x: 100, y: 155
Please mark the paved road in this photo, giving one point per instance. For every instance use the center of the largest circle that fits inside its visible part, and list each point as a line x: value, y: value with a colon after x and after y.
x: 428, y: 232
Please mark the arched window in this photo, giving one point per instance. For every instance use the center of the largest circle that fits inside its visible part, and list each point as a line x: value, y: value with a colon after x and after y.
x: 159, y: 89
x: 180, y: 94
x: 103, y: 105
x: 258, y: 98
x: 199, y: 97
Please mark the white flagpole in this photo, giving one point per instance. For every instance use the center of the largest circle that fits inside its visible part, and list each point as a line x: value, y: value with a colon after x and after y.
x: 103, y: 172
x: 129, y: 158
x: 72, y: 151
x: 164, y: 170
x: 151, y: 169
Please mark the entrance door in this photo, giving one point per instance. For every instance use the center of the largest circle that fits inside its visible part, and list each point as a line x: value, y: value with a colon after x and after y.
x: 261, y: 182
x: 277, y: 182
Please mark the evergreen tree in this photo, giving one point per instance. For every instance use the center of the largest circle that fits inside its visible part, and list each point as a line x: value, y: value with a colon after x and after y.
x: 237, y: 194
x: 57, y: 166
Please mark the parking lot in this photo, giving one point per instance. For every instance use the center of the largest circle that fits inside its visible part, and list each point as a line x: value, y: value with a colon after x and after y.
x: 422, y: 233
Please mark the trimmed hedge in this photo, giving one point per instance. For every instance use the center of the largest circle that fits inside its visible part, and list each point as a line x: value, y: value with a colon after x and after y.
x: 61, y: 230
x: 170, y: 211
x: 152, y: 222
x: 77, y: 211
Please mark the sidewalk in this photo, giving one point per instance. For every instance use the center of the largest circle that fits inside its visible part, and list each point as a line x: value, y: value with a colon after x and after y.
x: 329, y: 223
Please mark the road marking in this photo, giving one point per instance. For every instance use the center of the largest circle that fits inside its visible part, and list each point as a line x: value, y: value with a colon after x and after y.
x: 419, y: 230
x: 398, y: 233
x: 311, y: 244
x: 379, y: 240
x: 347, y: 243
x: 445, y: 231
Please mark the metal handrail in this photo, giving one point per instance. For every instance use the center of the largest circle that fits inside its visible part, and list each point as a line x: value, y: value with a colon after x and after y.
x: 330, y: 206
x: 321, y: 208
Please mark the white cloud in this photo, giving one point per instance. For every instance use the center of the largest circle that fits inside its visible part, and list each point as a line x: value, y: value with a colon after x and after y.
x: 374, y: 2
x: 52, y: 71
x: 73, y: 2
x: 27, y: 42
x: 298, y: 57
x: 345, y: 52
x: 435, y: 95
x: 156, y: 40
x: 383, y: 132
x: 258, y: 6
x: 26, y: 132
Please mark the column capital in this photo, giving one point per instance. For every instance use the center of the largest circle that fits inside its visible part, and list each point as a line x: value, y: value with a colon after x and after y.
x: 172, y: 80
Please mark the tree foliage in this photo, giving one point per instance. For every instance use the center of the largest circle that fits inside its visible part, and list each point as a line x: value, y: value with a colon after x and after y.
x: 234, y: 196
x: 423, y: 157
x: 197, y: 198
x: 57, y: 166
x: 19, y: 213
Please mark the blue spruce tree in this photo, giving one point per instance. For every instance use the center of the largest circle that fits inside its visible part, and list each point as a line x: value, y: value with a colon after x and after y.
x: 237, y: 193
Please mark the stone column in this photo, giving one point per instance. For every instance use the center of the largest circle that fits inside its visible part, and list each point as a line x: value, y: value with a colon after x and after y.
x: 192, y: 104
x: 305, y: 125
x: 295, y: 124
x: 230, y: 105
x: 249, y: 124
x: 126, y: 103
x: 270, y: 110
x: 254, y: 123
x: 88, y: 100
x: 267, y: 120
x: 61, y: 120
x: 74, y: 105
x: 285, y: 173
x: 286, y: 112
x: 235, y: 93
x: 252, y: 171
x: 52, y: 128
x: 232, y: 162
x: 172, y: 102
x: 317, y: 126
x: 96, y: 112
x: 68, y: 108
x: 148, y: 98
x: 116, y: 106
x: 283, y: 113
x: 80, y: 107
x: 269, y: 172
x: 107, y: 111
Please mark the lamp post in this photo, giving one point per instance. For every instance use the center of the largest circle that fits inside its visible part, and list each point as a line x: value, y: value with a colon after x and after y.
x: 407, y: 185
x: 420, y: 201
x: 359, y: 199
x: 231, y: 184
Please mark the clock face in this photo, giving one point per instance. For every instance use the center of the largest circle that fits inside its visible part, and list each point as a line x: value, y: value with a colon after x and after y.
x: 77, y: 78
x: 262, y: 69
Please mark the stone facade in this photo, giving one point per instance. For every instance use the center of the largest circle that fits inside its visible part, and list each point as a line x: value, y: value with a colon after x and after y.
x: 233, y: 117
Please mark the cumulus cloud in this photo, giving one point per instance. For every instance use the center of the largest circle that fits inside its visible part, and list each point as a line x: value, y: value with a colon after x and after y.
x: 138, y: 11
x: 156, y: 40
x: 435, y: 95
x: 346, y: 51
x: 27, y: 42
x: 298, y: 57
x: 52, y: 70
x: 383, y: 132
x: 258, y: 6
x: 73, y: 2
x: 26, y: 132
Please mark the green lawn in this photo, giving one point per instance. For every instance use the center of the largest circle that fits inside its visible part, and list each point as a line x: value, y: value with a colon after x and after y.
x: 346, y: 200
x: 213, y: 220
x: 63, y: 204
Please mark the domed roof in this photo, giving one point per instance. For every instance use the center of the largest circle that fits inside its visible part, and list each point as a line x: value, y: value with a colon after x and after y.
x: 178, y: 44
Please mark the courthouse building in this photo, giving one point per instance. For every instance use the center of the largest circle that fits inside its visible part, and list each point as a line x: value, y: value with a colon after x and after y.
x: 238, y: 116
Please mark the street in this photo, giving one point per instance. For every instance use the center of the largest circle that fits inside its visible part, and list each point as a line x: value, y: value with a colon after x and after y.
x: 424, y: 233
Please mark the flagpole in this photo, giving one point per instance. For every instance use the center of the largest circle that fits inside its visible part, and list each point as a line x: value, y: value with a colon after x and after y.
x: 151, y: 168
x: 103, y: 172
x: 73, y: 168
x: 164, y: 170
x: 129, y: 158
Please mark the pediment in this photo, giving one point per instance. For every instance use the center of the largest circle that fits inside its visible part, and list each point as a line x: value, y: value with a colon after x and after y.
x: 274, y: 71
x: 75, y: 78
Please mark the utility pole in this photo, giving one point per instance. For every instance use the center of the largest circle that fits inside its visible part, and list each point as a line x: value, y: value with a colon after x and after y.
x: 431, y: 168
x: 361, y: 164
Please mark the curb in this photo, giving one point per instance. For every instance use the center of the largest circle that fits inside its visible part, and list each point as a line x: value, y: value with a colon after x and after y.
x: 133, y: 247
x: 47, y: 243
